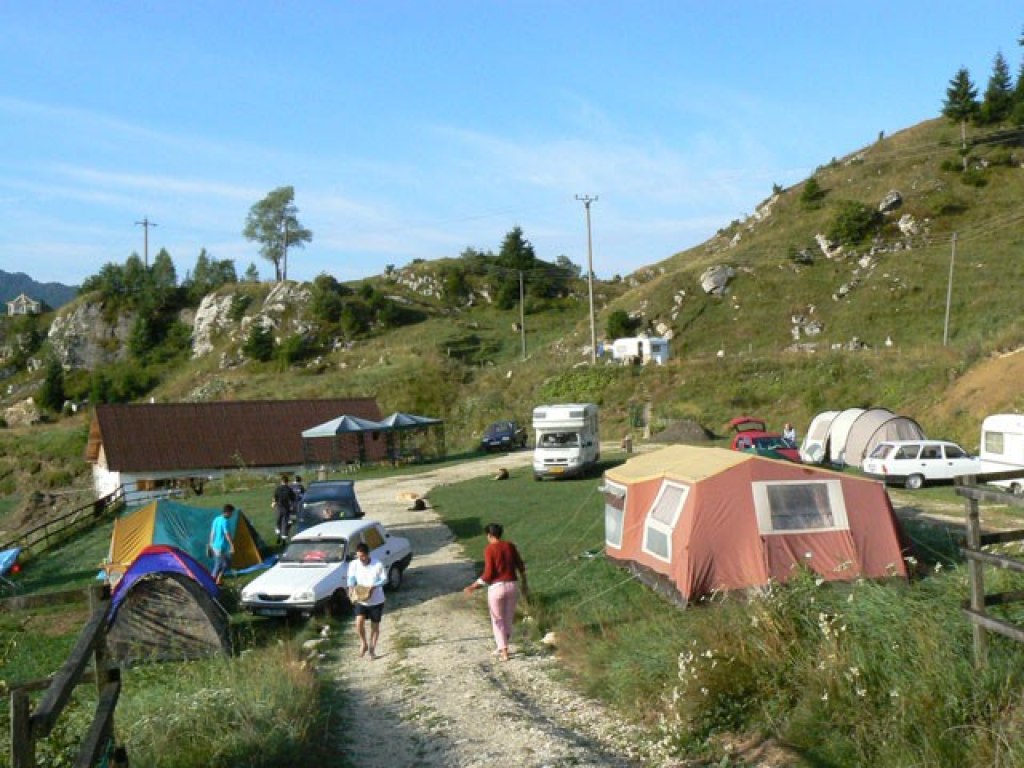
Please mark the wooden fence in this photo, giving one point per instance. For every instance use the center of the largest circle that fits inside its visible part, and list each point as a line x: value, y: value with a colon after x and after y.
x: 28, y: 726
x: 977, y: 558
x: 47, y: 535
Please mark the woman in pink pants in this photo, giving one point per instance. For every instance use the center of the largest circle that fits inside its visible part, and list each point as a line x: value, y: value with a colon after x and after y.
x: 503, y: 568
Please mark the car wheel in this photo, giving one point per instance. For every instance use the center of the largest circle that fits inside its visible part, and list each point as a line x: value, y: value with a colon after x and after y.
x: 394, y: 578
x: 914, y: 482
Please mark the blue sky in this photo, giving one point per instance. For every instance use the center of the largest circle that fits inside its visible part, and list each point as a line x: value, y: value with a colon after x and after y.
x: 415, y: 129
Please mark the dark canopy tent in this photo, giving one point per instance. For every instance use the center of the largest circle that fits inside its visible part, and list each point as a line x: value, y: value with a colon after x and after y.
x: 165, y: 609
x: 410, y: 434
x: 400, y: 431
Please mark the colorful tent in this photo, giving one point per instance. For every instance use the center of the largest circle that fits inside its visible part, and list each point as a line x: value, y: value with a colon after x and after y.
x: 180, y: 526
x: 165, y: 608
x: 691, y: 521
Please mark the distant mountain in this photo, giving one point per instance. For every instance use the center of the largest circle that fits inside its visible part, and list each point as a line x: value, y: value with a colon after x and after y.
x: 13, y: 284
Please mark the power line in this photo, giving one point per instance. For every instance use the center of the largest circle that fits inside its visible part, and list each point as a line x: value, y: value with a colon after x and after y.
x: 146, y: 224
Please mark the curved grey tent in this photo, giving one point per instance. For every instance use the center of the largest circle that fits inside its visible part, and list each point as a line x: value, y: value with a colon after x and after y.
x: 861, y: 431
x: 838, y: 432
x: 875, y: 426
x: 812, y: 449
x: 167, y: 616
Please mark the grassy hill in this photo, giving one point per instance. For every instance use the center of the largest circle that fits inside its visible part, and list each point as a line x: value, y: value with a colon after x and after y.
x: 747, y: 350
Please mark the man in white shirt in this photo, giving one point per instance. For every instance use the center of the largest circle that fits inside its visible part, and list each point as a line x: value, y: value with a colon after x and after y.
x: 366, y: 580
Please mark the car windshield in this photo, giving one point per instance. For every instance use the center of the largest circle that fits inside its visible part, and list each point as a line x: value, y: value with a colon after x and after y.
x: 559, y: 439
x: 330, y: 493
x: 882, y: 451
x: 315, y: 551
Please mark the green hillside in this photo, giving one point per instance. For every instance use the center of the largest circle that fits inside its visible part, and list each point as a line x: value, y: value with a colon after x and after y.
x: 877, y: 301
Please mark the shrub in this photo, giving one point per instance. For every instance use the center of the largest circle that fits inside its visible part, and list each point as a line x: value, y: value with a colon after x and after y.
x: 853, y: 223
x: 260, y: 344
x: 620, y: 324
x: 240, y: 302
x: 812, y: 194
x: 972, y: 177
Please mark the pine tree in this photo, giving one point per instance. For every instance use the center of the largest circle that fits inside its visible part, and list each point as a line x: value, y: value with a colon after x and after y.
x: 998, y: 100
x: 961, y: 104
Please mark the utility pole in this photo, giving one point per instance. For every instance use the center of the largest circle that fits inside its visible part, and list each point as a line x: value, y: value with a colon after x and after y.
x: 587, y: 200
x: 522, y: 313
x: 949, y: 293
x: 145, y: 224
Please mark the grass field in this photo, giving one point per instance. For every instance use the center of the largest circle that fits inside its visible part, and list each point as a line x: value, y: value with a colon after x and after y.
x: 865, y: 674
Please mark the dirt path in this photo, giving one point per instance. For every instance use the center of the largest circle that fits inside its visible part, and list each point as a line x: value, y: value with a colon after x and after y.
x: 436, y: 696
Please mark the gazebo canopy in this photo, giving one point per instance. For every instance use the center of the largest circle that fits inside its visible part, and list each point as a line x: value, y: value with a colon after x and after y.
x: 399, y: 420
x: 344, y: 425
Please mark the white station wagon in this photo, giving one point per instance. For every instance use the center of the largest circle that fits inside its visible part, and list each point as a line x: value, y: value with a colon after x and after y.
x: 912, y: 463
x: 313, y: 570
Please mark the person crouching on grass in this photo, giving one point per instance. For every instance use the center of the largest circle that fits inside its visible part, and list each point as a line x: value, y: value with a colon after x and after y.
x: 366, y: 580
x: 503, y: 567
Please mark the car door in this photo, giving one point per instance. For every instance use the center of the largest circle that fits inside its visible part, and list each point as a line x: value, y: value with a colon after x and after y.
x: 933, y: 463
x: 959, y: 462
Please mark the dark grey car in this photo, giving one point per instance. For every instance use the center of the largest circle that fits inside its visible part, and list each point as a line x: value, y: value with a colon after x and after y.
x: 328, y: 500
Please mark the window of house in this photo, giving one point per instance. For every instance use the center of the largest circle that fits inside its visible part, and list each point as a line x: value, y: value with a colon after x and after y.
x: 614, y: 514
x: 661, y: 520
x: 784, y: 507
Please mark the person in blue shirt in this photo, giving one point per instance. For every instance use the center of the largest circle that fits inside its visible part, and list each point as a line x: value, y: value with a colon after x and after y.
x: 221, y: 544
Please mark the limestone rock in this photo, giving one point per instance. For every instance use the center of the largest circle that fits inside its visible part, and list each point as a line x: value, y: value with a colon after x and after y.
x: 715, y: 280
x: 81, y: 337
x: 211, y: 318
x: 890, y: 202
x: 23, y: 414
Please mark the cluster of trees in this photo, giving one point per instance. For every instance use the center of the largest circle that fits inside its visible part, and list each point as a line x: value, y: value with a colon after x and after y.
x: 515, y: 267
x: 1003, y: 100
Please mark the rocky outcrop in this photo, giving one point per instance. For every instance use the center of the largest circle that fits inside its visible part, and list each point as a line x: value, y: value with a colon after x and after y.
x: 82, y: 338
x: 23, y: 414
x: 212, y: 318
x: 890, y: 202
x: 715, y: 280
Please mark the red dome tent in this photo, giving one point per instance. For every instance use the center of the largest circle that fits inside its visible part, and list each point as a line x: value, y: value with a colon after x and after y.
x: 692, y: 521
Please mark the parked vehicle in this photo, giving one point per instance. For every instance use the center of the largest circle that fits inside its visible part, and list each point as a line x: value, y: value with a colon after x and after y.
x: 503, y: 436
x: 568, y: 442
x: 752, y: 437
x: 1002, y: 448
x: 312, y: 571
x: 327, y: 500
x: 913, y: 463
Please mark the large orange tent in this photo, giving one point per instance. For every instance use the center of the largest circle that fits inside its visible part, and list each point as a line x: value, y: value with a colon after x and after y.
x: 694, y: 521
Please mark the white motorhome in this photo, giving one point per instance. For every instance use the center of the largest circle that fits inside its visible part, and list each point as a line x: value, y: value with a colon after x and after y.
x: 567, y: 440
x: 1002, y: 447
x: 640, y: 350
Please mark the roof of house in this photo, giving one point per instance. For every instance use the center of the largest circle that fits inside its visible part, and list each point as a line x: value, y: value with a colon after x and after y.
x: 214, y: 435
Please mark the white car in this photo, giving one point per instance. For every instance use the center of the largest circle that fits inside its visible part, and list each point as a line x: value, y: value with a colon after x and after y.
x: 913, y: 463
x: 313, y: 570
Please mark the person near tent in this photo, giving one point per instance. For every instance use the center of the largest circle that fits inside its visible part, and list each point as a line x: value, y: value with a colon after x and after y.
x: 503, y: 568
x: 789, y: 433
x: 299, y: 490
x: 221, y: 545
x: 366, y: 579
x: 283, y: 502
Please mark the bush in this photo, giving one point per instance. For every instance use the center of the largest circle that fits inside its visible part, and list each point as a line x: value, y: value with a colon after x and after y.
x: 812, y: 194
x: 853, y: 223
x: 620, y: 324
x: 260, y: 344
x: 972, y: 177
x: 240, y: 302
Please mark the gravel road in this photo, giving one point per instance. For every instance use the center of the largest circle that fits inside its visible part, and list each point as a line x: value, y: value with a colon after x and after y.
x: 436, y: 696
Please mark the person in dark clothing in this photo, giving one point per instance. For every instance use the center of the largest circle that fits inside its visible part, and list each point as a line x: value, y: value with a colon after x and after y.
x: 299, y: 490
x: 283, y: 502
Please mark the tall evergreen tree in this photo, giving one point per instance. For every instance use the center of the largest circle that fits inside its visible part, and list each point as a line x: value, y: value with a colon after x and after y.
x: 961, y: 104
x: 273, y: 223
x: 998, y: 101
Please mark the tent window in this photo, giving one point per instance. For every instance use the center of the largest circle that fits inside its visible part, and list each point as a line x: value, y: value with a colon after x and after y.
x: 662, y: 518
x: 614, y: 513
x: 994, y: 442
x: 785, y: 507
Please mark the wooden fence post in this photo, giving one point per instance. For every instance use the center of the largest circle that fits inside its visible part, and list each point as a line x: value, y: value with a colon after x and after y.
x: 976, y: 577
x: 23, y: 752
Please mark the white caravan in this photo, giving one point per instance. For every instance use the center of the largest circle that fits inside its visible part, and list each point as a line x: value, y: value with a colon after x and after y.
x: 640, y: 350
x: 567, y: 440
x: 1002, y: 447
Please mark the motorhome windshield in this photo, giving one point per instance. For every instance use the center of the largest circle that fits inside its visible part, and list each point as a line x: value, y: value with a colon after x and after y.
x: 559, y: 440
